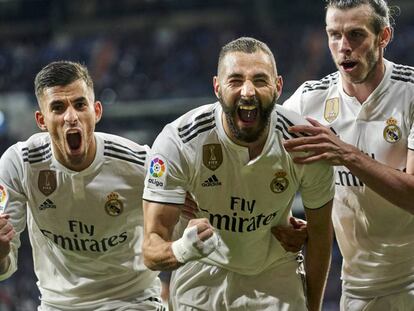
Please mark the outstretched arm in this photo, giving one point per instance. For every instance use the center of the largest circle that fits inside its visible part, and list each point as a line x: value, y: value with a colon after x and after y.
x: 318, y: 253
x: 323, y: 145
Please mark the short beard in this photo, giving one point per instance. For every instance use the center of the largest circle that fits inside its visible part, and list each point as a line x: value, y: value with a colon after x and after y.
x: 250, y: 135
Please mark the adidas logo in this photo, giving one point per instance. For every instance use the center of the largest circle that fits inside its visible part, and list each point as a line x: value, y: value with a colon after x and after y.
x: 47, y: 204
x: 211, y: 182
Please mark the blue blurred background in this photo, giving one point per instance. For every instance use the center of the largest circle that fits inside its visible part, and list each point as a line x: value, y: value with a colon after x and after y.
x: 152, y: 60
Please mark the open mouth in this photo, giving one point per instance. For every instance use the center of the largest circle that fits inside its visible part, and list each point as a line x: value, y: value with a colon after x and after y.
x: 348, y: 65
x: 247, y: 114
x: 74, y: 140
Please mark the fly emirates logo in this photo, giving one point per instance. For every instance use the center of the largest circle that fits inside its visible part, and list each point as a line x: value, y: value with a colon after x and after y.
x: 237, y: 223
x: 83, y: 238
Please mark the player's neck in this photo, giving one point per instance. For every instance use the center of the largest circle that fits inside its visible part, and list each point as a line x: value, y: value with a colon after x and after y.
x: 361, y: 91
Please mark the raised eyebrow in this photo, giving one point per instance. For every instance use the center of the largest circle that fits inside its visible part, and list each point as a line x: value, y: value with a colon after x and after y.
x: 331, y: 30
x: 61, y: 102
x: 79, y: 99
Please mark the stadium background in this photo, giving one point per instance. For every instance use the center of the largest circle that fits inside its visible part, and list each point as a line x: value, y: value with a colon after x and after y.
x: 152, y: 60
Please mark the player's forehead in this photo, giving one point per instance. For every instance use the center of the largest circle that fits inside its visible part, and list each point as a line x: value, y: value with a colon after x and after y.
x: 359, y: 17
x: 241, y: 63
x: 72, y: 91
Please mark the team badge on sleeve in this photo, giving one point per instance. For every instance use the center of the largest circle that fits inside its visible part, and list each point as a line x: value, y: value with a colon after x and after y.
x: 47, y: 182
x: 331, y: 109
x: 157, y: 171
x: 157, y: 167
x: 280, y: 183
x: 113, y: 205
x: 3, y: 198
x: 392, y: 132
x: 212, y: 156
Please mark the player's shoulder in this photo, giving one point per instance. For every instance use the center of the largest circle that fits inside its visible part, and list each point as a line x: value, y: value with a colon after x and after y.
x: 401, y: 73
x: 288, y: 116
x: 285, y: 118
x: 36, y: 149
x: 316, y: 87
x: 112, y: 139
x: 118, y: 147
x: 195, y: 122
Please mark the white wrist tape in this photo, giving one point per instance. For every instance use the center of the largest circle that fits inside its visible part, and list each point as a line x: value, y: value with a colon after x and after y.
x: 190, y: 247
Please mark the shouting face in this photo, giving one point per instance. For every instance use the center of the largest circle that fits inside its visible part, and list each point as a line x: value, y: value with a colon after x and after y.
x: 356, y: 50
x: 247, y: 86
x: 69, y: 113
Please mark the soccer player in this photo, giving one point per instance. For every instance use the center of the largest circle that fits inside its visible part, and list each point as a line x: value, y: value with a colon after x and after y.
x: 364, y: 126
x: 229, y: 156
x: 80, y: 192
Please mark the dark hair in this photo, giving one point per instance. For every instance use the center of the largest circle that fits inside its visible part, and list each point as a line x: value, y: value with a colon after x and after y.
x: 382, y: 13
x: 245, y: 45
x: 60, y: 73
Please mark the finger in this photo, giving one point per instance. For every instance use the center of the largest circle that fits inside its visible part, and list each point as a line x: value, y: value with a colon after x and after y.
x: 294, y: 222
x: 314, y: 122
x: 309, y: 159
x: 4, y: 216
x: 197, y: 221
x: 307, y: 129
x: 308, y: 141
x: 297, y: 223
x: 205, y: 234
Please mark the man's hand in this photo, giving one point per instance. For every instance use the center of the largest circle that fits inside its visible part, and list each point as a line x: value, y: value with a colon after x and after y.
x: 6, y: 235
x: 322, y: 144
x: 293, y: 237
x: 198, y: 241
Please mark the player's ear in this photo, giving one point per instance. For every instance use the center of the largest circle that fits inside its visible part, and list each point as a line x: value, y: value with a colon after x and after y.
x: 216, y: 86
x: 40, y: 120
x: 385, y: 37
x: 279, y: 85
x: 98, y: 111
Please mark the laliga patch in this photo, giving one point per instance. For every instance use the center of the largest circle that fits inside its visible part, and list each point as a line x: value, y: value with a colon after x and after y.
x: 3, y: 198
x: 331, y: 111
x: 280, y: 183
x: 212, y: 156
x: 392, y: 132
x: 47, y: 182
x: 113, y: 205
x: 157, y: 170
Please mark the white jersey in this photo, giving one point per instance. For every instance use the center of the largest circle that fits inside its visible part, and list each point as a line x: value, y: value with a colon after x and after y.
x: 85, y: 228
x: 376, y: 238
x: 242, y: 198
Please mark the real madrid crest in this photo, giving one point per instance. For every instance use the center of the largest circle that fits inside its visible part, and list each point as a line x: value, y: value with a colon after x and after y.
x: 212, y: 156
x: 331, y: 109
x: 392, y: 132
x: 114, y: 205
x: 279, y: 183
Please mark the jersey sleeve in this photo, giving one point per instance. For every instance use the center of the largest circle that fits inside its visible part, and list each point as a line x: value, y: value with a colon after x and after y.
x: 318, y: 185
x: 13, y: 201
x: 293, y: 103
x: 167, y: 169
